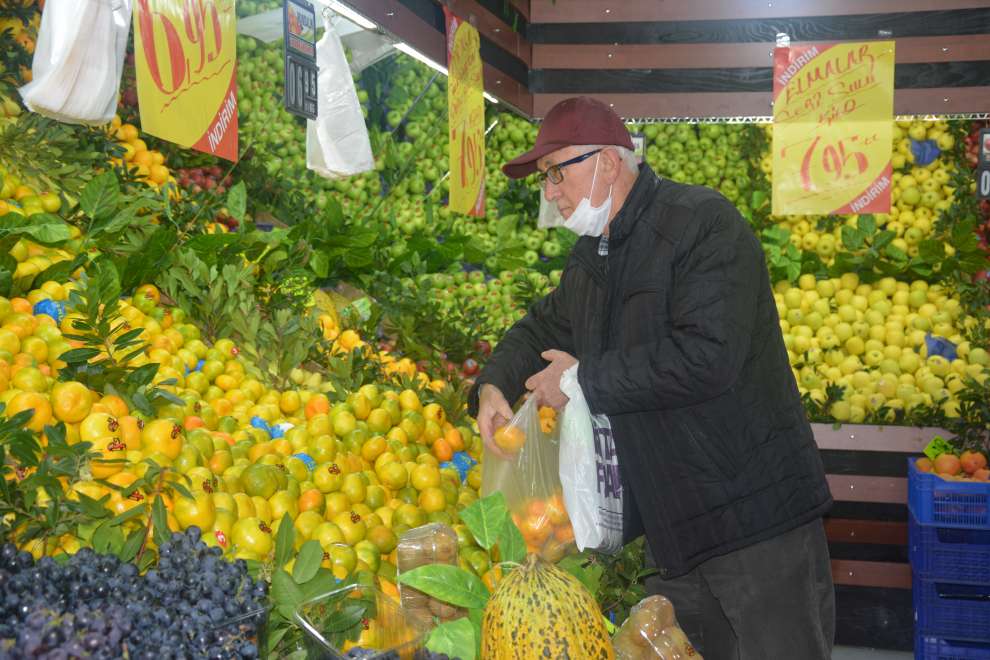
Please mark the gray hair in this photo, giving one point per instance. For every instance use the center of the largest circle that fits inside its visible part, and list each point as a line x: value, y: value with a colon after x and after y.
x: 627, y: 156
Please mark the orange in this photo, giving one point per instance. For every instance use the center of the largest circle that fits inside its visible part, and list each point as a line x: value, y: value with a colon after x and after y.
x: 162, y: 436
x: 21, y: 305
x: 71, y: 401
x: 112, y: 451
x: 31, y: 401
x: 971, y: 461
x: 510, y: 438
x: 453, y: 438
x: 318, y: 404
x: 948, y: 464
x: 556, y: 511
x: 425, y: 476
x: 564, y: 534
x: 432, y: 500
x: 116, y: 405
x: 198, y: 510
x: 923, y: 465
x: 29, y: 379
x: 536, y: 530
x: 442, y: 450
x: 312, y: 500
x: 98, y: 425
x: 130, y: 430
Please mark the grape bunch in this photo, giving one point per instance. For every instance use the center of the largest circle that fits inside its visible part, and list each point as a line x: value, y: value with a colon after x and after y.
x: 192, y: 604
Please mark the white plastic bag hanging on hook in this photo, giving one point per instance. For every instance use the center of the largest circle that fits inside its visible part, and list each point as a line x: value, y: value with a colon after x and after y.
x: 78, y: 60
x: 337, y: 142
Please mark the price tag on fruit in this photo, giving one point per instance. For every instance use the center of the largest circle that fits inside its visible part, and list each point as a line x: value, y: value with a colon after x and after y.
x: 466, y: 118
x: 300, y: 58
x: 186, y: 64
x: 937, y: 447
x: 832, y: 128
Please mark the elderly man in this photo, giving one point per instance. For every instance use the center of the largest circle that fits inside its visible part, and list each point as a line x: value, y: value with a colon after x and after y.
x: 666, y: 306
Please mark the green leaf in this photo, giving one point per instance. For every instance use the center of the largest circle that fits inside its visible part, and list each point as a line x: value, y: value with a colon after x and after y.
x: 511, y: 543
x: 286, y: 594
x: 44, y: 228
x: 284, y: 541
x: 79, y: 355
x: 101, y: 196
x: 159, y: 519
x: 307, y: 561
x: 450, y: 584
x: 895, y: 252
x: 455, y: 638
x: 320, y: 263
x: 588, y: 573
x: 132, y: 545
x: 237, y: 201
x: 867, y: 224
x: 883, y: 239
x: 852, y: 238
x: 108, y: 539
x: 486, y: 518
x: 931, y: 251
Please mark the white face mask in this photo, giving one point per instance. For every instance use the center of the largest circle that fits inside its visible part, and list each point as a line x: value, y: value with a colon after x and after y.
x: 588, y: 220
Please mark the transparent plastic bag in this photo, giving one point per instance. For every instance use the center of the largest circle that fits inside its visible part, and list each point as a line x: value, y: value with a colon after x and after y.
x: 78, y: 60
x: 337, y: 143
x: 530, y: 481
x: 435, y: 543
x: 651, y: 633
x: 589, y: 472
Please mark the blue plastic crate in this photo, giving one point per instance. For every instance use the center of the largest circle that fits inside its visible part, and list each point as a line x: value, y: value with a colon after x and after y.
x: 949, y: 554
x: 939, y: 648
x: 935, y: 501
x: 952, y: 611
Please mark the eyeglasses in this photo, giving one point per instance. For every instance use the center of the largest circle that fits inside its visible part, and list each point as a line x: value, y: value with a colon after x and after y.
x: 554, y: 173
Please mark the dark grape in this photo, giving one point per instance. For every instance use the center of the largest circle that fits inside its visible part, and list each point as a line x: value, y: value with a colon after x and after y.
x: 98, y: 607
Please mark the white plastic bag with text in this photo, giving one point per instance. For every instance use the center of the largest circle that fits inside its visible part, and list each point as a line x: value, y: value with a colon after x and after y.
x: 589, y: 472
x: 337, y: 144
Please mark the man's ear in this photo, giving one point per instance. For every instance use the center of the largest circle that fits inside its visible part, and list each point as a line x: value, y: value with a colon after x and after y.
x: 612, y: 165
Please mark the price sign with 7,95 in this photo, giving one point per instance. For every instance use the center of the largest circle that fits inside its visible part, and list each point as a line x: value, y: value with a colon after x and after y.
x: 983, y: 172
x: 832, y: 128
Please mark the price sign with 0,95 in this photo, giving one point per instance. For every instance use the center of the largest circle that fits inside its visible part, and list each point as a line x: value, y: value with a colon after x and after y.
x: 983, y: 172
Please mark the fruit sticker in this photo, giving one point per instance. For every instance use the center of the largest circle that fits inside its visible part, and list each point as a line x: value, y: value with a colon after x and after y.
x: 466, y: 105
x: 185, y: 59
x: 832, y: 128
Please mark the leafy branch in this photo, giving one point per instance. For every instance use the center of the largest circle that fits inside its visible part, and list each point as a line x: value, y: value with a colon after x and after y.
x: 106, y: 359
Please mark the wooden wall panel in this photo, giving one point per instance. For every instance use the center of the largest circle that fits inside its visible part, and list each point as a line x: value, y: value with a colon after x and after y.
x: 593, y: 11
x: 947, y: 100
x: 909, y: 50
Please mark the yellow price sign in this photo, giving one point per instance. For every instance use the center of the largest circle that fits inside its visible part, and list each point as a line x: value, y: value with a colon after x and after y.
x: 466, y: 118
x: 832, y: 128
x: 186, y: 62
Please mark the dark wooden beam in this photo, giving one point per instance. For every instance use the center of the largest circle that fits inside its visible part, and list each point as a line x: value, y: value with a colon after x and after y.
x: 762, y: 30
x: 847, y: 530
x: 858, y: 488
x: 947, y: 100
x: 750, y: 79
x: 600, y: 11
x: 909, y: 50
x: 871, y: 574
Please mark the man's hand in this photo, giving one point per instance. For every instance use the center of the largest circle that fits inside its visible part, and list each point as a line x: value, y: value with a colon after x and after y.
x: 545, y: 385
x: 493, y: 412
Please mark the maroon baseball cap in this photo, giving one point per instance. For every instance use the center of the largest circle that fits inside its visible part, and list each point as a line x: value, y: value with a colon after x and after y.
x: 578, y: 120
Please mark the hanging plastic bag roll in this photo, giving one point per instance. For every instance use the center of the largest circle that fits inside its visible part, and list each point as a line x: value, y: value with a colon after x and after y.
x: 337, y: 144
x: 78, y: 60
x: 589, y: 472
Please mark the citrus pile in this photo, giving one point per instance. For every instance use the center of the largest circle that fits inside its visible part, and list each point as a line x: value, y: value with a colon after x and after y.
x: 879, y: 341
x: 353, y: 475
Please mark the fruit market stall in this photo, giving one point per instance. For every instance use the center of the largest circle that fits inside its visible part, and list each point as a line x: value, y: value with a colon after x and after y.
x: 246, y: 374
